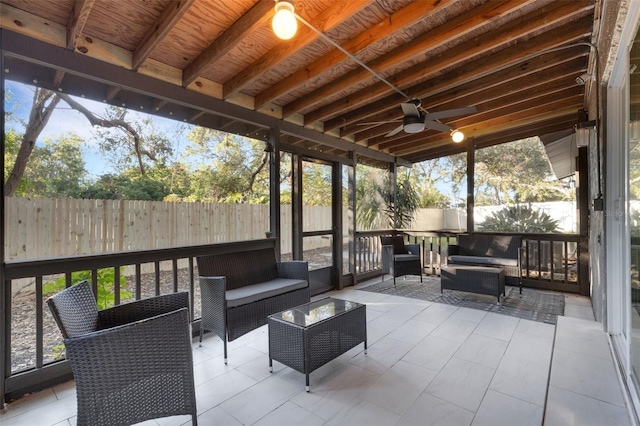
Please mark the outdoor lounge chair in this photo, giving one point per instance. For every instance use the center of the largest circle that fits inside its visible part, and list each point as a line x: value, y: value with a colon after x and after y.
x: 400, y: 259
x: 132, y: 362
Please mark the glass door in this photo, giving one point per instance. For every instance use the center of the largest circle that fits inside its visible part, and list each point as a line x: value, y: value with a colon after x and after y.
x: 317, y: 223
x: 633, y: 175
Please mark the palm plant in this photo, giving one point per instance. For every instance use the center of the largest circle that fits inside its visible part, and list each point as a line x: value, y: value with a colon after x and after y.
x: 519, y: 219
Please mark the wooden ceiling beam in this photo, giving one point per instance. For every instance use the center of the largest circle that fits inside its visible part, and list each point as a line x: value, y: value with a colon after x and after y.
x: 325, y: 22
x: 552, y: 19
x: 260, y: 13
x: 77, y: 20
x: 492, y: 86
x: 398, y: 21
x: 513, y: 56
x: 159, y: 30
x: 445, y: 33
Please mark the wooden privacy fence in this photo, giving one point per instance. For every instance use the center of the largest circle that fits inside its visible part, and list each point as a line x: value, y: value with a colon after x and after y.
x: 53, y: 227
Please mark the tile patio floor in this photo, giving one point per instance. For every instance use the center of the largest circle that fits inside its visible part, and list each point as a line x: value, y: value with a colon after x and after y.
x: 427, y: 364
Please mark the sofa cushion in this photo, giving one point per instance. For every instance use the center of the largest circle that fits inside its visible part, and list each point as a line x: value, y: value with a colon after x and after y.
x: 406, y: 257
x: 252, y: 293
x: 240, y: 268
x: 502, y: 246
x: 481, y: 260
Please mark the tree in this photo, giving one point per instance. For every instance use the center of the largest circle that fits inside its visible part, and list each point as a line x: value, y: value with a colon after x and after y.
x: 56, y: 169
x: 229, y: 168
x: 43, y: 104
x: 424, y: 177
x: 515, y: 172
x: 127, y: 186
x: 136, y: 142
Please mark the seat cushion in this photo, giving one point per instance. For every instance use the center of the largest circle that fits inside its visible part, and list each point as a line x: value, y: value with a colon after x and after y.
x: 480, y: 260
x: 406, y: 257
x: 252, y: 293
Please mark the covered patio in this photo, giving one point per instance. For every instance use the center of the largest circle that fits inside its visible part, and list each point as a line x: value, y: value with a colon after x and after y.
x: 428, y: 363
x: 377, y: 83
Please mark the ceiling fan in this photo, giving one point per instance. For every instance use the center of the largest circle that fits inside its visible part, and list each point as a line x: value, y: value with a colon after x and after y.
x: 416, y: 118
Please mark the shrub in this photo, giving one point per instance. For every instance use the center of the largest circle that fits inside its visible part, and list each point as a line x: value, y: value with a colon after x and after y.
x: 106, y: 277
x: 519, y: 219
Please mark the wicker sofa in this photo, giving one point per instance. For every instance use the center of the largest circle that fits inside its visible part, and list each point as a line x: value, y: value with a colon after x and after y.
x: 240, y: 289
x: 503, y: 251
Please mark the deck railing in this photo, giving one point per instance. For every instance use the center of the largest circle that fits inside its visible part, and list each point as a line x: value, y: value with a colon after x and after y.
x: 33, y: 343
x: 550, y: 261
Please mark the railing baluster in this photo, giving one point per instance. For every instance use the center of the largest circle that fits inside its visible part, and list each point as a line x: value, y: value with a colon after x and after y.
x: 138, y: 281
x: 157, y: 277
x: 174, y: 264
x: 39, y: 324
x: 116, y: 285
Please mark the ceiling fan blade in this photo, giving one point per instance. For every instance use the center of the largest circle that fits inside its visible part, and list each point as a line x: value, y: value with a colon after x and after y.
x: 450, y: 113
x: 394, y: 131
x: 436, y: 125
x: 410, y: 109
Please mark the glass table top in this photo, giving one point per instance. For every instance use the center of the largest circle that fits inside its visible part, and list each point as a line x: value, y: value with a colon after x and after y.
x: 317, y: 311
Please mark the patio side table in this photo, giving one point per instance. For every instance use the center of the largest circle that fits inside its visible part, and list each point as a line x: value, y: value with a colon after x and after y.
x: 310, y: 335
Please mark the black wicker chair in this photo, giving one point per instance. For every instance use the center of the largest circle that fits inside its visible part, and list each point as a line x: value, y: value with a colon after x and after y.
x: 132, y: 362
x: 399, y: 259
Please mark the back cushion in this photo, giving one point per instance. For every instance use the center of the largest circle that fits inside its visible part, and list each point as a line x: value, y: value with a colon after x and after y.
x: 396, y: 241
x: 240, y: 269
x: 505, y: 246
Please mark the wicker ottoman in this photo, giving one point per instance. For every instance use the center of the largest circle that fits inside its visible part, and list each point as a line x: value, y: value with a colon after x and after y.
x: 473, y: 279
x: 308, y: 336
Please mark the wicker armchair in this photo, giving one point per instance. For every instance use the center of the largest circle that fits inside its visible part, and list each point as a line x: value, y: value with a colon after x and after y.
x: 399, y: 259
x: 132, y: 362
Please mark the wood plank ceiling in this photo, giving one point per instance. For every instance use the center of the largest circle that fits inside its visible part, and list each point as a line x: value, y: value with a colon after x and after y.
x: 515, y: 61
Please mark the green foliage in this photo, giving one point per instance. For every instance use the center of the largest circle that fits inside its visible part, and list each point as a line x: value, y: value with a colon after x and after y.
x: 424, y: 177
x: 227, y: 168
x: 516, y: 172
x: 125, y: 187
x: 55, y: 168
x: 400, y: 214
x: 58, y: 352
x: 133, y: 140
x: 106, y: 278
x: 519, y: 219
x: 374, y: 197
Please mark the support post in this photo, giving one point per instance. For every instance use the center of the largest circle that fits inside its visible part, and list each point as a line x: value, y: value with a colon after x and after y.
x: 393, y: 191
x: 296, y: 201
x: 471, y: 170
x: 351, y: 215
x: 582, y: 203
x: 336, y: 212
x: 274, y: 187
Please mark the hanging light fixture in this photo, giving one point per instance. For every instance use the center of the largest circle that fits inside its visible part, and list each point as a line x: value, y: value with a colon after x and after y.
x: 284, y: 22
x: 457, y: 136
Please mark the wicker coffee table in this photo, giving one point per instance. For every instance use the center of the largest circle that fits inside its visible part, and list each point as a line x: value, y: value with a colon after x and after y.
x: 473, y: 279
x: 308, y: 336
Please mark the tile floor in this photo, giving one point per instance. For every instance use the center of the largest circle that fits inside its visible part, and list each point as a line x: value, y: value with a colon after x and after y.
x: 427, y: 364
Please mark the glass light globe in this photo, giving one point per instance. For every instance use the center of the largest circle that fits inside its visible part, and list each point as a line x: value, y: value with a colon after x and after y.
x: 284, y: 22
x: 457, y: 136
